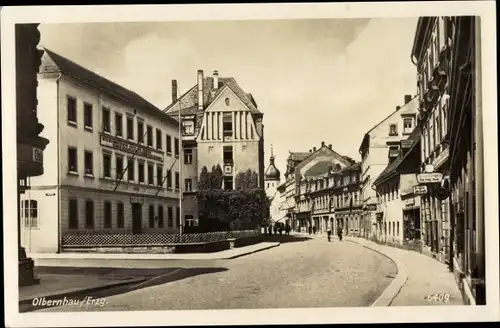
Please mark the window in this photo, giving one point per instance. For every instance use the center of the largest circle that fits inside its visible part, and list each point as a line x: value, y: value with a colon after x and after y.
x: 140, y: 131
x: 176, y: 147
x: 130, y: 170
x: 30, y: 213
x: 89, y: 163
x: 119, y: 124
x: 177, y: 182
x: 393, y: 130
x: 228, y: 155
x: 71, y: 109
x: 150, y: 135
x: 393, y: 153
x: 151, y: 216
x: 228, y: 183
x: 227, y: 124
x: 120, y: 216
x: 169, y: 179
x: 170, y: 217
x: 119, y: 167
x: 160, y: 216
x: 151, y: 179
x: 188, y: 127
x: 130, y: 128
x: 87, y: 116
x: 73, y: 214
x: 169, y: 144
x: 107, y: 215
x: 106, y: 162
x: 72, y: 160
x: 106, y: 120
x: 89, y: 214
x: 188, y: 185
x: 140, y: 169
x: 159, y: 175
x: 397, y: 229
x: 407, y: 125
x: 188, y: 156
x: 158, y: 139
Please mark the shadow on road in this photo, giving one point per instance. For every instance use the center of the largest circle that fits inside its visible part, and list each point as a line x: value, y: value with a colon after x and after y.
x: 152, y: 277
x: 285, y: 238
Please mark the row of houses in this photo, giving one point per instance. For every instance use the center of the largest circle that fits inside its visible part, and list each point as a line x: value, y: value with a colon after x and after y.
x: 117, y: 166
x: 419, y: 184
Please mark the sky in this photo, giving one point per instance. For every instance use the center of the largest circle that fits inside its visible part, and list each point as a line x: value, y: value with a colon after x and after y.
x: 316, y: 80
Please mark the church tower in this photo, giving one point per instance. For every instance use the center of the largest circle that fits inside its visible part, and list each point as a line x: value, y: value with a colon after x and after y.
x: 271, y: 183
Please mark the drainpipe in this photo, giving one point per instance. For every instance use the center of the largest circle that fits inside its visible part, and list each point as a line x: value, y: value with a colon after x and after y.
x: 58, y: 188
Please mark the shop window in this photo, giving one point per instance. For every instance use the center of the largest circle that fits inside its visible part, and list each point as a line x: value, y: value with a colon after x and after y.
x: 170, y: 217
x: 120, y: 215
x: 89, y: 214
x: 151, y: 216
x: 73, y: 214
x: 160, y: 216
x: 107, y: 215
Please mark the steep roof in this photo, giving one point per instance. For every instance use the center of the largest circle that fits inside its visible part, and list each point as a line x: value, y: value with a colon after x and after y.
x: 190, y: 98
x: 367, y: 134
x: 319, y: 168
x: 84, y: 75
x: 392, y: 168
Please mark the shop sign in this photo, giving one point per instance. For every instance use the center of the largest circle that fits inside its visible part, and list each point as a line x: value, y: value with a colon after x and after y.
x: 410, y: 202
x: 405, y: 144
x: 420, y: 190
x: 37, y: 155
x: 429, y: 177
x: 129, y: 147
x: 371, y: 207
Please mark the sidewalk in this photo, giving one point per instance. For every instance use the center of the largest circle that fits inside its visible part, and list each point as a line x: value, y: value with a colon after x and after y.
x: 62, y: 285
x: 419, y: 277
x: 222, y: 255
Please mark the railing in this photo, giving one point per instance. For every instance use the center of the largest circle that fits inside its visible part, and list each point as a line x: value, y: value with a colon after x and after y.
x: 150, y: 239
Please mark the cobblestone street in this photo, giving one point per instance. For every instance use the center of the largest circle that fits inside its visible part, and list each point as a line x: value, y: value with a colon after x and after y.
x: 312, y: 273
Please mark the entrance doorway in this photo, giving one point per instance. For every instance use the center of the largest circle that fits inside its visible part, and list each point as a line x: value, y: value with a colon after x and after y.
x: 136, y: 218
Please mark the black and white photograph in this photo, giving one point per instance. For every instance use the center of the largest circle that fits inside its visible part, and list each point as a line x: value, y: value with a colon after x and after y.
x: 250, y: 164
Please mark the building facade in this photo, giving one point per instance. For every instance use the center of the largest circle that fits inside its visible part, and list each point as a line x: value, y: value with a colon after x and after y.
x: 30, y: 144
x: 378, y: 146
x: 431, y: 55
x: 114, y: 159
x: 398, y: 201
x: 272, y: 178
x: 466, y: 158
x: 325, y: 182
x: 221, y: 125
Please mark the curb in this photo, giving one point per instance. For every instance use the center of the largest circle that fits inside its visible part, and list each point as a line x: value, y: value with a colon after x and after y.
x: 252, y: 252
x: 82, y: 291
x: 392, y: 291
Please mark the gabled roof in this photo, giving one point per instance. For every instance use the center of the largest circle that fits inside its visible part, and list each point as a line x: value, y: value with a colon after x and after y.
x: 393, y: 167
x: 367, y: 134
x: 320, y: 168
x: 190, y: 98
x: 84, y: 75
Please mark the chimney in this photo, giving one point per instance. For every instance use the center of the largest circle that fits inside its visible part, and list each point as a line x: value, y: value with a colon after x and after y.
x: 322, y: 144
x: 407, y: 99
x: 174, y: 91
x: 200, y: 89
x: 398, y: 107
x: 314, y: 149
x: 310, y: 150
x: 216, y: 80
x: 330, y: 146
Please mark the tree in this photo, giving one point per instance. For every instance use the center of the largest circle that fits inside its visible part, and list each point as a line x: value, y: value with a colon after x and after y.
x: 204, y: 181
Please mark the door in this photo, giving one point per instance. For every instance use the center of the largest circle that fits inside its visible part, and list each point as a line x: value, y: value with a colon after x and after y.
x: 136, y: 218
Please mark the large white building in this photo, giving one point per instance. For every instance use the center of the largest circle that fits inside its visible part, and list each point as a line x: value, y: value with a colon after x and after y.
x: 111, y: 162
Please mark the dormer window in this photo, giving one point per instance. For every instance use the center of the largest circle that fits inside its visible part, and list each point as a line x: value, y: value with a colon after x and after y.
x: 393, y: 153
x: 187, y: 127
x: 407, y: 125
x: 393, y: 130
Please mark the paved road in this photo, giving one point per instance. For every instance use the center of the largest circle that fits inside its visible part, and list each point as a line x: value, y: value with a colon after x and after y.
x: 312, y: 273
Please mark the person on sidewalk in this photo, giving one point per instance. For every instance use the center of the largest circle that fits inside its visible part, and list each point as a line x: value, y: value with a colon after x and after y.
x: 310, y: 230
x: 339, y: 232
x: 329, y: 233
x: 314, y: 230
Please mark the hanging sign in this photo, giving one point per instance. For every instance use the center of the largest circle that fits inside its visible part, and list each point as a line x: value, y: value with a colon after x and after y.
x: 420, y: 190
x: 430, y: 177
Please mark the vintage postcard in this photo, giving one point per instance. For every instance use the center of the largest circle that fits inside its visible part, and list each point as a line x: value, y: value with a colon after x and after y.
x: 250, y: 164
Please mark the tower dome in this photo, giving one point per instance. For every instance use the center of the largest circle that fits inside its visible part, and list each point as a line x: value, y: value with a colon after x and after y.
x: 272, y: 173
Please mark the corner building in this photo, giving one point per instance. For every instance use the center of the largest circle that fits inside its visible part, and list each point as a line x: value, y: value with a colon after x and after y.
x: 113, y: 167
x: 221, y: 125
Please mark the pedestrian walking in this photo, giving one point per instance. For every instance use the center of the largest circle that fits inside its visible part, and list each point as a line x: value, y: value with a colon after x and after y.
x: 339, y: 233
x: 275, y: 228
x: 310, y: 230
x: 314, y: 230
x: 329, y: 234
x: 269, y: 230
